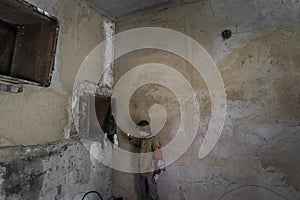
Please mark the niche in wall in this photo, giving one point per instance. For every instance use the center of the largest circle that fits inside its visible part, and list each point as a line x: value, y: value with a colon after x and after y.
x: 92, y: 112
x: 28, y: 38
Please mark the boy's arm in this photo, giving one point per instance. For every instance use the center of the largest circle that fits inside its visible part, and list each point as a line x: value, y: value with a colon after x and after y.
x: 157, y: 155
x: 158, y: 158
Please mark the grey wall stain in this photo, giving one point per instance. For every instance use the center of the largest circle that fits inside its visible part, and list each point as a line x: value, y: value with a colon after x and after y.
x: 23, y: 178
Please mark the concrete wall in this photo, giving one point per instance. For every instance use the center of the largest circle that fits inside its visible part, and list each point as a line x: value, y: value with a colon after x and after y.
x: 39, y: 115
x: 257, y: 154
x: 65, y: 170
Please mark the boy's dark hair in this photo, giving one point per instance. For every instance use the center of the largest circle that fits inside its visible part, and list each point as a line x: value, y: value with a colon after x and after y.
x: 144, y: 125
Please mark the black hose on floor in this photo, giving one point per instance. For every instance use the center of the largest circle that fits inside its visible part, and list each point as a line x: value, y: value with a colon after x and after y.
x: 95, y: 192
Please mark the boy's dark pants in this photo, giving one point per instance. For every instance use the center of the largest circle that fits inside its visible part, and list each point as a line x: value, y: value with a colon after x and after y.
x: 148, y: 189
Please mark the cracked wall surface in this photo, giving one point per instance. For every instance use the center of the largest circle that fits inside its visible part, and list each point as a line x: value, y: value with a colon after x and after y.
x: 257, y: 154
x: 38, y: 160
x: 64, y: 170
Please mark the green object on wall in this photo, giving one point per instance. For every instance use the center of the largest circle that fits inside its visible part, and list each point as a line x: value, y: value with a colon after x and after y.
x: 226, y: 34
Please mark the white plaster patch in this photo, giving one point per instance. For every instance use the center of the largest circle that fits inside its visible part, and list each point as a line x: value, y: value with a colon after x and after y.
x: 109, y: 29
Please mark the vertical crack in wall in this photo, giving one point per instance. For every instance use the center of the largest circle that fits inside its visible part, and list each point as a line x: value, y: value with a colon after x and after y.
x: 107, y: 77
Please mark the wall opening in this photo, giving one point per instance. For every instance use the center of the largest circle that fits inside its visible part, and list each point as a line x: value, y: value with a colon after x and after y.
x: 92, y: 112
x: 28, y: 38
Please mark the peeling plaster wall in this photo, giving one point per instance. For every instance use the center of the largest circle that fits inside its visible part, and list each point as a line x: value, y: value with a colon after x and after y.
x: 65, y: 169
x: 39, y: 115
x: 35, y: 160
x: 257, y: 156
x: 61, y: 171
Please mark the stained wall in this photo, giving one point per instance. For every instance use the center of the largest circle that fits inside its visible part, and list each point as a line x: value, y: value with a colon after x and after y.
x: 39, y: 156
x: 39, y: 115
x: 256, y: 156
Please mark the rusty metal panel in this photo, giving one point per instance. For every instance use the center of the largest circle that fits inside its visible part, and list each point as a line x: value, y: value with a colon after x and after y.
x: 35, y: 42
x: 33, y: 53
x: 7, y: 40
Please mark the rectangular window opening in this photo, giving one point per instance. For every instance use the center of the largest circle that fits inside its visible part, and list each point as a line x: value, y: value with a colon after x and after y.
x: 28, y: 38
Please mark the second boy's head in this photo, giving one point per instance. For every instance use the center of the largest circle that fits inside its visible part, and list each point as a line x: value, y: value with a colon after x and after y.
x: 144, y: 128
